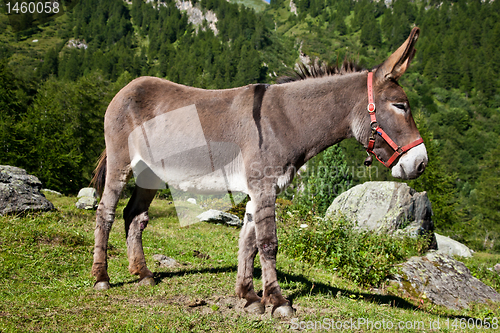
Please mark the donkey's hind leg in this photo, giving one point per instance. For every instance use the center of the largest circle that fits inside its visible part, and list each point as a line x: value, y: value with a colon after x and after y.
x: 136, y: 219
x: 115, y: 181
x: 246, y: 255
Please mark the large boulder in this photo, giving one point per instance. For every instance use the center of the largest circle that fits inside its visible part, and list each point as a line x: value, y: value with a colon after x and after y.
x: 443, y: 280
x: 217, y: 216
x: 20, y: 192
x: 87, y: 198
x: 451, y: 247
x: 388, y: 207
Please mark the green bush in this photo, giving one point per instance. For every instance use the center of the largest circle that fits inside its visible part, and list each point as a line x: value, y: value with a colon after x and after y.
x: 361, y: 256
x: 325, y: 177
x: 481, y: 267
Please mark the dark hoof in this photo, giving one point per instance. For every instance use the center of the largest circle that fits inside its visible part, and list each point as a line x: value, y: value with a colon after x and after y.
x: 284, y: 311
x: 147, y: 281
x: 256, y: 308
x: 102, y: 285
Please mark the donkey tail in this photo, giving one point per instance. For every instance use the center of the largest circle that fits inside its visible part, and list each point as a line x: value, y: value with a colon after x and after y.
x: 100, y: 174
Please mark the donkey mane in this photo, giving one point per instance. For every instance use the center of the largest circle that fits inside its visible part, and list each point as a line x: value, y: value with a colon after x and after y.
x: 320, y: 69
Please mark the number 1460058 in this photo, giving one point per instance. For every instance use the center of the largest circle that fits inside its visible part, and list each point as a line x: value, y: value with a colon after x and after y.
x: 32, y: 7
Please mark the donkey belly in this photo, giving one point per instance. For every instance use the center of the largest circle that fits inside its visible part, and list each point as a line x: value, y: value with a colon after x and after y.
x: 171, y: 148
x: 190, y: 173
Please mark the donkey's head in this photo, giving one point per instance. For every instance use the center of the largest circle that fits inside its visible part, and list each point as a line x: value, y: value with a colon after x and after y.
x: 388, y: 129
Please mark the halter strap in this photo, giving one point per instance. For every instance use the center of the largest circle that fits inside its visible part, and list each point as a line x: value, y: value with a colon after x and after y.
x: 398, y: 151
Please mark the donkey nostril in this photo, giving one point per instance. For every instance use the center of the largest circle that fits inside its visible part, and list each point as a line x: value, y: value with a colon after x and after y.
x: 421, y: 167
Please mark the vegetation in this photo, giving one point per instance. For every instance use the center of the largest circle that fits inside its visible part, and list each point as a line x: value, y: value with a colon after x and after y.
x: 46, y: 283
x: 360, y: 256
x: 318, y: 182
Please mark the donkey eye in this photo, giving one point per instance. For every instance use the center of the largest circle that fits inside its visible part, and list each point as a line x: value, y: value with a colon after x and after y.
x: 400, y: 106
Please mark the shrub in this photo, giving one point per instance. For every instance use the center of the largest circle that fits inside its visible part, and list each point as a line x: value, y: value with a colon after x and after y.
x: 361, y: 256
x: 481, y: 267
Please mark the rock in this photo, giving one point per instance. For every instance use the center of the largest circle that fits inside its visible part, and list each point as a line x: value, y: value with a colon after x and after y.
x: 87, y: 192
x: 451, y: 247
x: 216, y: 216
x: 164, y: 261
x: 497, y: 268
x: 46, y: 190
x: 443, y: 280
x: 20, y: 192
x: 87, y: 198
x: 192, y: 200
x: 385, y: 207
x: 196, y: 15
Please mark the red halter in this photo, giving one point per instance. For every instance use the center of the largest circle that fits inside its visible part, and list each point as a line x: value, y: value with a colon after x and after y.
x: 398, y: 151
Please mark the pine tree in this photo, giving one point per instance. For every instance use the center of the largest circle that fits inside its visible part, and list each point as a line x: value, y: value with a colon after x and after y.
x: 324, y: 179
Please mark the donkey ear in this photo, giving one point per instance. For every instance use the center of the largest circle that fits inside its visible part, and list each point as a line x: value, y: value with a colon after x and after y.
x: 398, y: 62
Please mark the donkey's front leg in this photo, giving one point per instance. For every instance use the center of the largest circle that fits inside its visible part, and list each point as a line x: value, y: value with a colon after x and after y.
x: 246, y: 256
x: 267, y: 244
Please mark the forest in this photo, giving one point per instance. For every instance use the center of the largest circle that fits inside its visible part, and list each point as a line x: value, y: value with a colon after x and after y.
x: 59, y: 72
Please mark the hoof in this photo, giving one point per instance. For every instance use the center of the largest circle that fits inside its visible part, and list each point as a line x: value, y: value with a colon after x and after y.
x: 102, y: 285
x: 256, y: 308
x: 147, y: 281
x: 284, y: 311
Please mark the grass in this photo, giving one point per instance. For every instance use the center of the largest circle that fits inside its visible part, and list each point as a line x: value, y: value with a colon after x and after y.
x: 46, y: 286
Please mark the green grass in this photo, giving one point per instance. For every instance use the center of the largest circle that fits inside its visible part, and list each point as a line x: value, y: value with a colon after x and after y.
x: 257, y: 5
x: 45, y: 262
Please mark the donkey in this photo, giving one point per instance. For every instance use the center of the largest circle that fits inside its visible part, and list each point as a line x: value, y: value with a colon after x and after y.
x: 276, y: 129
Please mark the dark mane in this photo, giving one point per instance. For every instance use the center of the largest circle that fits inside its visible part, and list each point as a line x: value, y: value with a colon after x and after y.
x: 320, y: 69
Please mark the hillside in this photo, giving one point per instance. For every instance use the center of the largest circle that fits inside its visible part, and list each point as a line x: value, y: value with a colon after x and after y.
x: 58, y: 75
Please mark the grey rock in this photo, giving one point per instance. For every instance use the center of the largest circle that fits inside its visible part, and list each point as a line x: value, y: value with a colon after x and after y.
x: 164, y: 262
x: 87, y: 203
x: 385, y: 207
x: 443, y: 280
x: 87, y: 192
x: 87, y: 198
x: 192, y: 200
x: 217, y: 216
x: 497, y: 268
x: 20, y: 192
x: 147, y: 281
x: 46, y: 190
x: 451, y: 247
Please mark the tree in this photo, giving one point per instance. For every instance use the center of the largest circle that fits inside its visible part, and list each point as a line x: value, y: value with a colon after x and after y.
x: 486, y: 207
x: 324, y: 179
x: 50, y: 64
x: 13, y: 103
x: 63, y: 129
x: 437, y: 181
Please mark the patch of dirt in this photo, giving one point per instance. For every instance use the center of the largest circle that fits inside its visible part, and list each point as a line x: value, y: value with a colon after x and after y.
x: 200, y: 255
x: 226, y: 305
x: 49, y: 241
